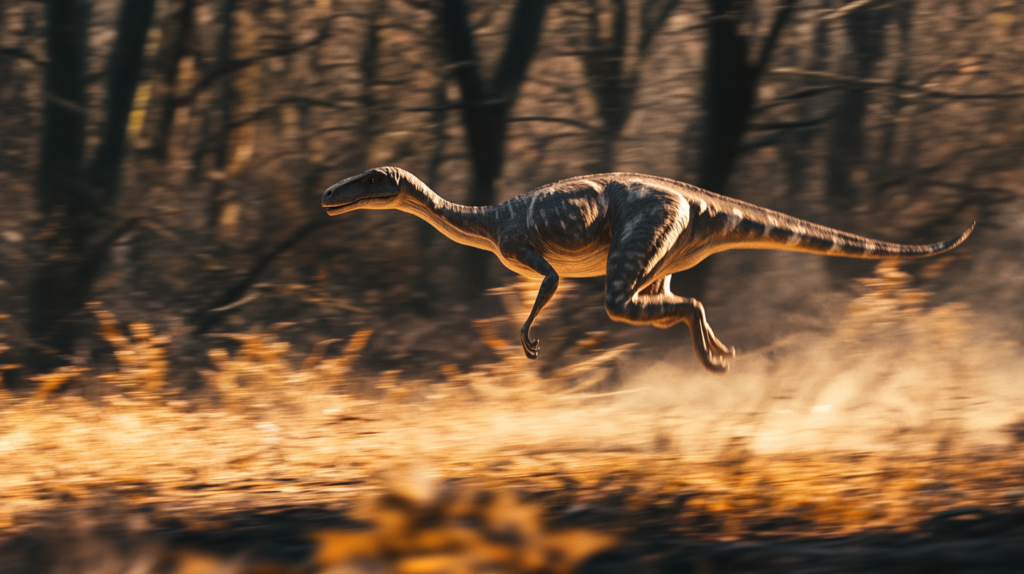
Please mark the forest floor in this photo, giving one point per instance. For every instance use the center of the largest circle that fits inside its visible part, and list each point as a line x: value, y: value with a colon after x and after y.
x: 890, y: 445
x: 471, y: 478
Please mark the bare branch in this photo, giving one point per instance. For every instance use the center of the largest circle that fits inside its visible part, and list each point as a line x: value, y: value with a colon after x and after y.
x: 235, y: 296
x: 20, y: 54
x: 896, y: 85
x: 795, y: 97
x: 653, y: 20
x: 263, y: 112
x: 777, y: 136
x: 237, y: 65
x: 845, y: 9
x: 566, y: 121
x: 66, y: 104
x: 782, y: 14
x: 788, y: 125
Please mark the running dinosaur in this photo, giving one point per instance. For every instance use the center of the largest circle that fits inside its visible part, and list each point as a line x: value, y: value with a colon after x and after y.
x: 636, y: 230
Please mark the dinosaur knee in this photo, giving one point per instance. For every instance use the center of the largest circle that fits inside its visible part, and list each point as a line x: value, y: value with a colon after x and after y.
x: 617, y: 305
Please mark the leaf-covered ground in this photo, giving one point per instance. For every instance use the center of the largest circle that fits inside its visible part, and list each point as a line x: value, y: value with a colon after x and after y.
x: 893, y: 445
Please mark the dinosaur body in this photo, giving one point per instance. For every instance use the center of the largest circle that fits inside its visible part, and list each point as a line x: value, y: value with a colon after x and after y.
x: 635, y: 229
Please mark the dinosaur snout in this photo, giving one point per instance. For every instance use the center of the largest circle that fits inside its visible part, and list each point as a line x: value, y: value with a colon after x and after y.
x: 328, y: 196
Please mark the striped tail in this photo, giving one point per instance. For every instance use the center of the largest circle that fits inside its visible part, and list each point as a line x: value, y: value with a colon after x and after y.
x: 781, y: 232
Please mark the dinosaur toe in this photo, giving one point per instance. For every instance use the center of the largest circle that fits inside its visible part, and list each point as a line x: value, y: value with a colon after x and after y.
x: 531, y: 347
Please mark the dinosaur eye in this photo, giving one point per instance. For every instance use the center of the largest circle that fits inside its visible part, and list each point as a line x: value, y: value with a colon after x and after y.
x: 374, y: 180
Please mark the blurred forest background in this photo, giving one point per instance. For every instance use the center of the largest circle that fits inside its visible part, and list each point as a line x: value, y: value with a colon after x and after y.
x: 196, y: 357
x: 165, y: 158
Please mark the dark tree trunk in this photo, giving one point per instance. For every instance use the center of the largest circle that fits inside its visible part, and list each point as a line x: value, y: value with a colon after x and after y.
x: 613, y: 79
x: 69, y: 210
x: 730, y: 92
x: 221, y: 193
x: 178, y: 41
x: 865, y: 28
x: 796, y: 149
x: 730, y: 87
x: 604, y: 63
x: 369, y: 68
x: 124, y: 72
x: 65, y: 112
x: 76, y: 228
x: 903, y: 14
x: 485, y: 105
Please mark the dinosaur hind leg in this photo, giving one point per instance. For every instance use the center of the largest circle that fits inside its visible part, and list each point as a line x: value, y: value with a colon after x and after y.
x: 662, y: 287
x: 631, y: 258
x: 666, y: 310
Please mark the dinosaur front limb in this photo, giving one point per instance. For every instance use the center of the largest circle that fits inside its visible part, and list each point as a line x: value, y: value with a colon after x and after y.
x: 548, y: 286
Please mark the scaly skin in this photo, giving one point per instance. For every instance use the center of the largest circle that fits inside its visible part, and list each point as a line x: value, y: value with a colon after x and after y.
x: 635, y: 229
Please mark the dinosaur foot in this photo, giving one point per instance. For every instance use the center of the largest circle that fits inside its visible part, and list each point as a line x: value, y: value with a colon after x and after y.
x: 530, y: 346
x: 713, y: 363
x: 713, y: 354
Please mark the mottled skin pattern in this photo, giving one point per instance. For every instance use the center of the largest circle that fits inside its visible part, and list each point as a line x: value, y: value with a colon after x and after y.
x: 637, y: 230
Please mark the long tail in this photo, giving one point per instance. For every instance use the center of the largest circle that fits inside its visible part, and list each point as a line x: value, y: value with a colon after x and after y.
x: 761, y: 228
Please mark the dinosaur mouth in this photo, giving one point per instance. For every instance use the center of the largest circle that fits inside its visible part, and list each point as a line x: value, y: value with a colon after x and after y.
x: 342, y: 208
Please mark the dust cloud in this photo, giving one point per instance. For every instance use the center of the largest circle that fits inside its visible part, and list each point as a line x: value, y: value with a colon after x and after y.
x: 937, y: 378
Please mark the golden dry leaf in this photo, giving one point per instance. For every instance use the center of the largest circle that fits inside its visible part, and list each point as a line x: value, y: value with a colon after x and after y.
x: 576, y: 545
x: 392, y: 524
x: 218, y: 356
x: 358, y: 342
x: 109, y: 328
x: 433, y: 563
x: 507, y: 513
x: 462, y: 504
x: 492, y: 552
x: 334, y: 546
x: 190, y: 562
x: 316, y: 354
x: 52, y: 381
x: 443, y: 538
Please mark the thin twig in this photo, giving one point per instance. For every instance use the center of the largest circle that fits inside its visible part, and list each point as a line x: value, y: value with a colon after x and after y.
x: 845, y: 9
x: 896, y: 85
x: 566, y: 121
x: 20, y: 54
x: 234, y: 296
x: 237, y: 65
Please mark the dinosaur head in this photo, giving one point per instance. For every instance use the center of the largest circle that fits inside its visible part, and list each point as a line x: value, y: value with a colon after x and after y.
x: 378, y: 188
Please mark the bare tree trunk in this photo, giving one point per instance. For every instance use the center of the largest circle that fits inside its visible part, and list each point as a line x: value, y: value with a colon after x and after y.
x: 178, y: 39
x: 65, y: 111
x: 866, y: 30
x: 75, y: 206
x: 797, y: 149
x: 69, y: 210
x: 124, y: 71
x: 612, y: 71
x: 485, y: 105
x: 903, y: 12
x: 730, y: 87
x: 220, y: 194
x: 730, y: 92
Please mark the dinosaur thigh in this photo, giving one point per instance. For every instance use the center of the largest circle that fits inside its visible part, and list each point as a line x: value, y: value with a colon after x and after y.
x: 636, y: 257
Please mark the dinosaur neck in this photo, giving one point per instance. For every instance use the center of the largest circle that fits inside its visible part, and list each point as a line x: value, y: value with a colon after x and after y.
x: 473, y: 226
